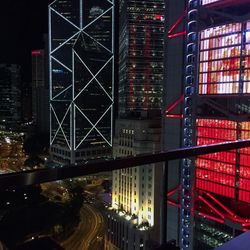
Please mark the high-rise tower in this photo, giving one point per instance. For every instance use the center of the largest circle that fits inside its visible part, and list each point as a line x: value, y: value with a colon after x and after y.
x: 212, y: 190
x: 140, y: 56
x: 81, y: 79
x: 216, y: 101
x: 135, y: 193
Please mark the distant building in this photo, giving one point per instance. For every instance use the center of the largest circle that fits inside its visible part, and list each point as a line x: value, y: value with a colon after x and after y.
x: 40, y: 91
x: 10, y: 95
x: 81, y: 79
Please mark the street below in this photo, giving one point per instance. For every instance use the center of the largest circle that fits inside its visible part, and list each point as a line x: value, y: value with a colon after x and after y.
x: 89, y: 234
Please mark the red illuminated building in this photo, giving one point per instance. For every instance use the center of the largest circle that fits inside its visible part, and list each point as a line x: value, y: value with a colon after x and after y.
x: 222, y: 180
x: 214, y: 195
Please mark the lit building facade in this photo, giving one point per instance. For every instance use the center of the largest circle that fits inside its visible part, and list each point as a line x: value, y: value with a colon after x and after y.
x: 136, y: 191
x: 216, y: 109
x: 140, y: 56
x: 81, y: 79
x: 223, y: 178
x: 10, y: 95
x: 134, y: 222
x: 214, y: 95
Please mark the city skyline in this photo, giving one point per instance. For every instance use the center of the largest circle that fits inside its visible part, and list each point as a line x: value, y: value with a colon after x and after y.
x: 116, y: 125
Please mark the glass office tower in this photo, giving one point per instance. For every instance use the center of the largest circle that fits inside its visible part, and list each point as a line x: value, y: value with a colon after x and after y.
x: 140, y: 56
x: 81, y: 79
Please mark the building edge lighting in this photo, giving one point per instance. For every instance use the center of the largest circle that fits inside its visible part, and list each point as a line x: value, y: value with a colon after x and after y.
x: 187, y: 170
x: 71, y: 137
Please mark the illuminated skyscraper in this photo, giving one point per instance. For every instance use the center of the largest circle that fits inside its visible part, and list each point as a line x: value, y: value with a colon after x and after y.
x: 135, y: 194
x: 140, y: 56
x: 210, y: 194
x: 222, y: 179
x: 81, y: 79
x: 216, y: 109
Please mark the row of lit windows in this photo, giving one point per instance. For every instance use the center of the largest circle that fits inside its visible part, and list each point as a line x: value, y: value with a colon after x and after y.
x: 216, y: 123
x: 225, y: 65
x: 229, y: 41
x: 216, y: 177
x: 220, y: 189
x: 218, y: 166
x: 221, y: 30
x: 225, y: 157
x: 217, y: 132
x: 216, y: 54
x: 221, y: 77
x: 223, y: 88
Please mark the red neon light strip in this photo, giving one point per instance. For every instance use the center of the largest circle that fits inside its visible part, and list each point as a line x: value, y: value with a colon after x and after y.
x: 246, y: 224
x: 173, y: 204
x: 211, y: 206
x: 177, y: 22
x: 233, y: 217
x: 211, y: 217
x: 174, y: 116
x: 220, y: 204
x: 176, y: 102
x: 36, y: 52
x: 172, y: 191
x: 178, y: 34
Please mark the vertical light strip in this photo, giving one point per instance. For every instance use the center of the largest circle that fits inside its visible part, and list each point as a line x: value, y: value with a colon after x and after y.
x: 70, y: 132
x: 73, y: 122
x: 187, y: 171
x: 50, y: 63
x: 50, y: 76
x: 74, y: 126
x: 113, y: 75
x: 81, y: 14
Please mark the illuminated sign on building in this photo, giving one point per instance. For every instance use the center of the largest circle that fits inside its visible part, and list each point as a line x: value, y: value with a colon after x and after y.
x: 224, y: 55
x: 37, y: 52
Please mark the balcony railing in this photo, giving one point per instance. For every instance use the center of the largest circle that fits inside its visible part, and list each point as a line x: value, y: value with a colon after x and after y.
x: 37, y: 176
x: 17, y: 180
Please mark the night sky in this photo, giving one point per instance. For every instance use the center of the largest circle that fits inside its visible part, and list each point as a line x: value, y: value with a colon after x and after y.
x: 23, y: 23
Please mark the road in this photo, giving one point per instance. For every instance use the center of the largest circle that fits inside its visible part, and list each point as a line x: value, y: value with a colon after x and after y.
x: 89, y: 234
